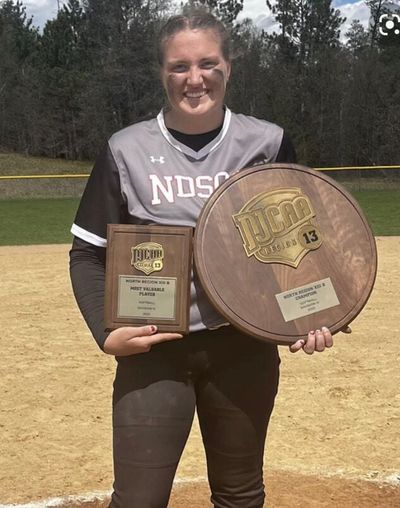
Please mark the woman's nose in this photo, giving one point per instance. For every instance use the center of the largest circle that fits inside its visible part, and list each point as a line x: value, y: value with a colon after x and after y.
x: 195, y: 76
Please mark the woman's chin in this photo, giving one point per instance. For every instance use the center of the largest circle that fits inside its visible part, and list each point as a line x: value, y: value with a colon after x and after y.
x: 188, y: 116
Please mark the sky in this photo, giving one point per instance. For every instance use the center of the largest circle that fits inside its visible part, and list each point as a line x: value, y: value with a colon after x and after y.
x: 351, y: 10
x: 42, y: 10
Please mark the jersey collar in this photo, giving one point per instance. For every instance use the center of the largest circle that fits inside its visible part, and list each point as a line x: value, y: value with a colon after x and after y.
x: 184, y: 148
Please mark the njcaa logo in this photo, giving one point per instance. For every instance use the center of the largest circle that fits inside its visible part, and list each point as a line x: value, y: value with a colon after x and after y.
x: 147, y: 257
x: 278, y: 226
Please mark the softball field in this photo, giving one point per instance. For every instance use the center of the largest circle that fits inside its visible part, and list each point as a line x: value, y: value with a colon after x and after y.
x: 334, y: 438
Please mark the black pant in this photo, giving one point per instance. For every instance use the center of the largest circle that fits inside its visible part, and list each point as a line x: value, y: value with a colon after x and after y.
x: 231, y: 379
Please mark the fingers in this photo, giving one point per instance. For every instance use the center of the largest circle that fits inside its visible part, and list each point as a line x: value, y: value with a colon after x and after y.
x: 346, y: 329
x: 316, y: 341
x: 327, y: 336
x: 323, y: 339
x: 132, y: 340
x: 309, y: 346
x: 130, y: 332
x: 297, y: 346
x: 157, y: 338
x: 319, y: 341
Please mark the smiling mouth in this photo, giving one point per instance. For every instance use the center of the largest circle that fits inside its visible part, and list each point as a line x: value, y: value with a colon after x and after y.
x: 195, y: 95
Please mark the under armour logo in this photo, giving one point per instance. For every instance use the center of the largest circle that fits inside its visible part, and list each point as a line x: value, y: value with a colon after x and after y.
x: 153, y: 159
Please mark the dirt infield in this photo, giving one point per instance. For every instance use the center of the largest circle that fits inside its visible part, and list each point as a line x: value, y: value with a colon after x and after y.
x: 333, y: 439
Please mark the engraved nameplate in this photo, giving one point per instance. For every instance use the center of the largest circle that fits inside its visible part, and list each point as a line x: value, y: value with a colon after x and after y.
x: 309, y: 299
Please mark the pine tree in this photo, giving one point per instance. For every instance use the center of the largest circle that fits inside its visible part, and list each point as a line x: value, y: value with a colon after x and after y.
x: 18, y: 91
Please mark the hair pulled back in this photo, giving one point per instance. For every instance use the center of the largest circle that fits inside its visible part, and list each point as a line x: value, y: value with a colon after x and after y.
x: 193, y: 18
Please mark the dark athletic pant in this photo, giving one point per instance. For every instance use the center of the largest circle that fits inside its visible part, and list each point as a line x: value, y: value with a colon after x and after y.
x: 231, y: 379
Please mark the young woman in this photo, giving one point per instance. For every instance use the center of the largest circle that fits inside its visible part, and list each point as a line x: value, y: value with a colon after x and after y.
x: 161, y: 172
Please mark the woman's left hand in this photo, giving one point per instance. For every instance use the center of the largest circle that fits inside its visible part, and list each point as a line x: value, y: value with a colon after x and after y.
x: 316, y: 341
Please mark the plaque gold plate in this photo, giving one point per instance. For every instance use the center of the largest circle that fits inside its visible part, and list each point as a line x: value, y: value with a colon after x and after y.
x: 278, y: 226
x: 281, y: 249
x: 148, y: 273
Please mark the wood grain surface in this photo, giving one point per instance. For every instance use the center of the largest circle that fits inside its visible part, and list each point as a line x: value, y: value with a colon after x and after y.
x: 177, y: 264
x: 244, y: 289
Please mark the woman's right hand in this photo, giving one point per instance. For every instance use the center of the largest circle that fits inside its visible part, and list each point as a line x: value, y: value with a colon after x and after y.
x: 131, y: 340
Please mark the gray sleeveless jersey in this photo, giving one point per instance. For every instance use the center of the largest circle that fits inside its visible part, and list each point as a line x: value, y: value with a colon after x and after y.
x: 145, y: 176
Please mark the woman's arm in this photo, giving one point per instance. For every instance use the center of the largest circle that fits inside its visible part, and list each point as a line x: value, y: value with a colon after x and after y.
x: 87, y: 271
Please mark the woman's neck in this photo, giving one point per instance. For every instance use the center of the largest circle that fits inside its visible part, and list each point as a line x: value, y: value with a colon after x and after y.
x: 193, y: 124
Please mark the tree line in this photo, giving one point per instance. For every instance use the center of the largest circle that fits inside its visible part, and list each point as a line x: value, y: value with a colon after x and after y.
x: 91, y: 71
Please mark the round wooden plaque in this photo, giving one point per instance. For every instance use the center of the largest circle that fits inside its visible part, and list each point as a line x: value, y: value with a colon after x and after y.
x: 282, y: 249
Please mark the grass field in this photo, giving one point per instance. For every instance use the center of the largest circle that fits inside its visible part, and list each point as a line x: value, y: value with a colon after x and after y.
x: 45, y: 221
x: 41, y: 211
x: 18, y: 164
x: 36, y: 221
x: 382, y: 209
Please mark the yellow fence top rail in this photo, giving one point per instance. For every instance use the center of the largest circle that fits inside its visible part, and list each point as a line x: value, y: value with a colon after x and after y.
x: 85, y: 175
x: 341, y: 168
x: 32, y: 177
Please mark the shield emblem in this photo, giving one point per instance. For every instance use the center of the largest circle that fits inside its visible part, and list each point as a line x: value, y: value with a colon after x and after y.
x: 278, y: 226
x: 147, y: 257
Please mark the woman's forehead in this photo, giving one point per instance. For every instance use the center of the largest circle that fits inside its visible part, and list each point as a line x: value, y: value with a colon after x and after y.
x: 192, y: 43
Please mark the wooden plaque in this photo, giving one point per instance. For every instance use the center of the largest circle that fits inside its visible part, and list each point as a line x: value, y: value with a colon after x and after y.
x: 148, y: 272
x: 281, y: 249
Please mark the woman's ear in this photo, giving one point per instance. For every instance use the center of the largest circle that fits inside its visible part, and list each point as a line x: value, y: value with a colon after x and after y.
x: 228, y: 71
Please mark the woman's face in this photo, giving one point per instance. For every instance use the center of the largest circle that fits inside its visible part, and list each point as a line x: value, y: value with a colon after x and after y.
x: 194, y: 75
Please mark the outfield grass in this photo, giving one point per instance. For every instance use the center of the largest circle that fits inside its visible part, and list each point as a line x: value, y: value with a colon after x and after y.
x: 36, y: 221
x: 18, y: 164
x: 25, y: 219
x: 46, y: 221
x: 14, y: 165
x: 382, y: 209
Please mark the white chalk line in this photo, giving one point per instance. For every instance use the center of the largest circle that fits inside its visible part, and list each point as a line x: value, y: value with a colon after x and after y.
x: 62, y: 501
x: 88, y: 498
x: 373, y: 476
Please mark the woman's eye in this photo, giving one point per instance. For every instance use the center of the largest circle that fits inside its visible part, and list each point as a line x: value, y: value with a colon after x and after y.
x: 208, y: 64
x: 179, y: 68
